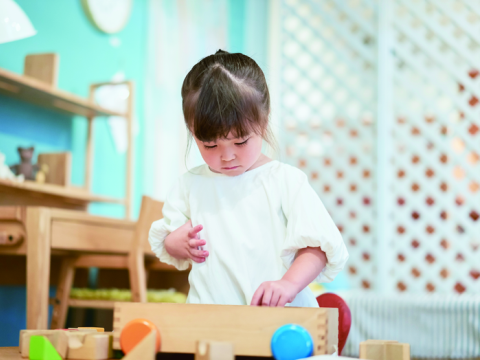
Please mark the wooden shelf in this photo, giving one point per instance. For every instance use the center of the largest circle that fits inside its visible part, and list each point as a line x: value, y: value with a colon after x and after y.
x: 34, y: 91
x: 12, y: 193
x: 93, y: 304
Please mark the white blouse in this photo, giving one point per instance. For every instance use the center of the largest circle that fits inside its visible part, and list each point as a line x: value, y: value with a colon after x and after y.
x: 253, y: 225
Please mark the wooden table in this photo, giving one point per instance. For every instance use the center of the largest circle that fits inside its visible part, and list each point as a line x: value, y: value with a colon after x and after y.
x: 30, y: 193
x: 10, y: 353
x: 39, y: 232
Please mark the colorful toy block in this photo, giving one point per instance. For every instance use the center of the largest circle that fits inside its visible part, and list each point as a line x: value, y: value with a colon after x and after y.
x: 57, y: 338
x: 134, y: 331
x: 42, y: 349
x: 146, y: 349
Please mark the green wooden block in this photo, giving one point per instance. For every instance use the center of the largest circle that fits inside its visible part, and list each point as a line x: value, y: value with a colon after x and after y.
x: 42, y: 349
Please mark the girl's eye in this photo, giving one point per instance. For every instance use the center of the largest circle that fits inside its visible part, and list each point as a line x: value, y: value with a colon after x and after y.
x: 242, y: 143
x: 209, y: 147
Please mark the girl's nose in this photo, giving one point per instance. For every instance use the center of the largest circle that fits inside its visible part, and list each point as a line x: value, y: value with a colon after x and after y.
x: 228, y: 156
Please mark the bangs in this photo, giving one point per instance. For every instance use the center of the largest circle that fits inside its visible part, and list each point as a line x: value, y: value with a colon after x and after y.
x: 223, y: 105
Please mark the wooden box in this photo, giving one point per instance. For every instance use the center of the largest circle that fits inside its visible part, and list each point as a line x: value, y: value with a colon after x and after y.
x: 249, y: 328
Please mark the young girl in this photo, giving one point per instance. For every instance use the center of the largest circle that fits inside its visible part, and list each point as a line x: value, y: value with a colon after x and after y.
x: 253, y: 229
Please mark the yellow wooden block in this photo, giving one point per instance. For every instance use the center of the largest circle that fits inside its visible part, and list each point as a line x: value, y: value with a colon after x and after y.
x: 92, y: 328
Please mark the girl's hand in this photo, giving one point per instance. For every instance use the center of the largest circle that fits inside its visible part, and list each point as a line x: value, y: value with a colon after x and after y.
x: 183, y: 243
x: 275, y: 293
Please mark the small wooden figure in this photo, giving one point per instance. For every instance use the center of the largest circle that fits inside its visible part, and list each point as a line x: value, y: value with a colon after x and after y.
x: 145, y: 349
x: 41, y: 176
x: 214, y: 350
x: 42, y: 349
x: 384, y: 350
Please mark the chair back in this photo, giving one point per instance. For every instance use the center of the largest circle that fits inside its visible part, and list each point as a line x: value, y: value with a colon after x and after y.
x: 150, y: 211
x: 329, y: 300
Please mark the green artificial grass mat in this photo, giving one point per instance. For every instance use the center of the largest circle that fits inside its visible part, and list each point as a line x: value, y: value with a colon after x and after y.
x: 155, y: 296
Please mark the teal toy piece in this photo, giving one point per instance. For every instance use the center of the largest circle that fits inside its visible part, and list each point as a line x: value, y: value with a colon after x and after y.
x: 291, y: 342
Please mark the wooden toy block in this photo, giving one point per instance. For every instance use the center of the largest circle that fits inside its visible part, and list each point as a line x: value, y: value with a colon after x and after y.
x: 97, y: 329
x: 43, y: 67
x: 57, y: 338
x: 145, y: 349
x: 133, y: 333
x: 214, y: 350
x: 42, y: 349
x: 89, y: 346
x: 85, y: 330
x: 248, y: 328
x: 384, y: 350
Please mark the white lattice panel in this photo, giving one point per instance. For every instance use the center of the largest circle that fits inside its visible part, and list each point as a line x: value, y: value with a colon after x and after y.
x: 436, y: 230
x: 328, y: 108
x: 329, y: 101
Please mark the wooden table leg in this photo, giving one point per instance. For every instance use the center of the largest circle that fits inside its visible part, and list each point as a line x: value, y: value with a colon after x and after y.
x: 37, y: 225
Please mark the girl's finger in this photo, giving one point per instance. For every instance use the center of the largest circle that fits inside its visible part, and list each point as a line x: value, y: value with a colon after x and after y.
x: 195, y: 243
x: 199, y: 253
x: 275, y: 298
x: 267, y: 297
x: 198, y: 259
x: 257, y: 296
x: 282, y: 301
x: 193, y: 233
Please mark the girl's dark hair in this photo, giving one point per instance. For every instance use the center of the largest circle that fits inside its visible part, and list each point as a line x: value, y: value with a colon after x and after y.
x: 226, y: 93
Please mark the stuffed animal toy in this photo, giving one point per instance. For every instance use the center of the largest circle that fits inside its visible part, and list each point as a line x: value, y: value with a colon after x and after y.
x: 25, y: 168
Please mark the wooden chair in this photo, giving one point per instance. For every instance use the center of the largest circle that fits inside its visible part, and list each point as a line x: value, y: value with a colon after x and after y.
x: 139, y: 260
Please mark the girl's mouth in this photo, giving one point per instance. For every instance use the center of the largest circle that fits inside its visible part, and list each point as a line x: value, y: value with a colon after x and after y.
x: 230, y: 168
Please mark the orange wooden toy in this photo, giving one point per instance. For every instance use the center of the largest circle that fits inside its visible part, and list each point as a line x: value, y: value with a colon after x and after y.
x: 134, y: 332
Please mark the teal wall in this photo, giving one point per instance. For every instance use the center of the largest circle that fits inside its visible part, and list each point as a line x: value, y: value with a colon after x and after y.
x: 86, y: 56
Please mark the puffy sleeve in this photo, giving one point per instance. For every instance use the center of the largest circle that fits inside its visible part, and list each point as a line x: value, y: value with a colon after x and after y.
x: 176, y: 212
x: 310, y: 225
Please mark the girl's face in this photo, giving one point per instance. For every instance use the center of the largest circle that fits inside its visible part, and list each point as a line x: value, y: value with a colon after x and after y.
x: 231, y: 156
